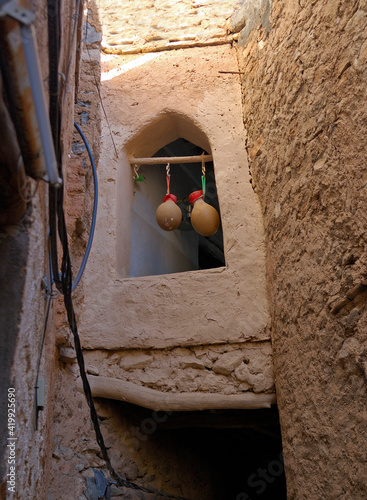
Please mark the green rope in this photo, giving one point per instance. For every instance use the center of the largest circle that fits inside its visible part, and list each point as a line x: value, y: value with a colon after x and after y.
x: 203, y: 184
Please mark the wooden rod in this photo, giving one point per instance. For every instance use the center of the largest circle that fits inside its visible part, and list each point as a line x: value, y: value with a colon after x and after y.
x: 170, y: 159
x: 112, y: 388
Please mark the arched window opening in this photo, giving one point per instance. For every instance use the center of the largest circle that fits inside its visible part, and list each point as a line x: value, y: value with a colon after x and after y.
x: 155, y: 251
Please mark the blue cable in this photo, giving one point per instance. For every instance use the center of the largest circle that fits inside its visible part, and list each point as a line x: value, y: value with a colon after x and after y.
x: 94, y: 216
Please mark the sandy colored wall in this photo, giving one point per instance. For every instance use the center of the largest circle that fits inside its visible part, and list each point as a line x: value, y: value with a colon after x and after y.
x: 150, y: 318
x: 23, y: 309
x: 303, y: 96
x: 124, y: 334
x: 204, y: 308
x: 148, y: 26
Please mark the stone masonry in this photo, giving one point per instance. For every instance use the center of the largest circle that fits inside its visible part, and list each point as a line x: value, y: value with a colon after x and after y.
x: 304, y: 69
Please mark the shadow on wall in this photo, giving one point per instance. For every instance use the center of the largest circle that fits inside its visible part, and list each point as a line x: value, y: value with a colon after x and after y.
x: 208, y: 455
x: 14, y: 253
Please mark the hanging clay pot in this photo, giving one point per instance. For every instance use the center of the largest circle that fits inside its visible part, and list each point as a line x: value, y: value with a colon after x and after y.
x: 168, y: 214
x: 204, y: 218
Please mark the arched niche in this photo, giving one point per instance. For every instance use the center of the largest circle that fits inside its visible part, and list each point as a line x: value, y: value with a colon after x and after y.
x: 152, y: 250
x: 222, y: 305
x: 164, y: 129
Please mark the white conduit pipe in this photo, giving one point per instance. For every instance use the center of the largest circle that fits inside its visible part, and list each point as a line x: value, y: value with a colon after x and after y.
x: 34, y: 74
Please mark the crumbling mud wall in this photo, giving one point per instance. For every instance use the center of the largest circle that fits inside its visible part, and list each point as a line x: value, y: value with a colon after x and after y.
x: 304, y: 68
x: 25, y: 464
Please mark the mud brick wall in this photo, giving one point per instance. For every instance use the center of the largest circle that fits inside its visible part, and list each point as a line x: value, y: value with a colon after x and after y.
x: 304, y: 70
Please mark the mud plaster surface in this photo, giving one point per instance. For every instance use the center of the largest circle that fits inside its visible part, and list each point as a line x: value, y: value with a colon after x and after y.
x: 303, y: 95
x: 33, y: 445
x: 221, y: 305
x: 229, y: 367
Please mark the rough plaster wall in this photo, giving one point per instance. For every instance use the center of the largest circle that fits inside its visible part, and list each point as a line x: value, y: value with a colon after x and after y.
x: 136, y: 26
x: 13, y: 242
x: 146, y: 457
x: 23, y: 307
x: 222, y: 369
x: 20, y: 335
x: 221, y: 305
x: 30, y: 460
x: 303, y: 96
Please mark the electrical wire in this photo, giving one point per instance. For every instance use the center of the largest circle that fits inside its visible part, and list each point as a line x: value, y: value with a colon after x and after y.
x: 49, y: 296
x: 67, y: 290
x: 94, y: 216
x: 99, y: 90
x: 54, y: 40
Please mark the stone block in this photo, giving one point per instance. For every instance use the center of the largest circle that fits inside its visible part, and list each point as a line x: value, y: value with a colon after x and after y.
x: 260, y: 382
x: 135, y: 361
x: 192, y: 362
x: 67, y: 355
x: 228, y: 362
x: 93, y: 370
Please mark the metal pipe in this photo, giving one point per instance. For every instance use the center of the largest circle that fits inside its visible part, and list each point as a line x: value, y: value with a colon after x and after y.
x: 34, y: 73
x: 24, y: 88
x: 170, y: 159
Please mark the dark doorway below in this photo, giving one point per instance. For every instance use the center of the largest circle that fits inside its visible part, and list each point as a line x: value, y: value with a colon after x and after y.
x: 243, y: 450
x: 237, y: 454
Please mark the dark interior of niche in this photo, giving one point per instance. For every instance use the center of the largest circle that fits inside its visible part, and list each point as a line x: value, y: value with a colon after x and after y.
x: 186, y: 178
x: 237, y: 454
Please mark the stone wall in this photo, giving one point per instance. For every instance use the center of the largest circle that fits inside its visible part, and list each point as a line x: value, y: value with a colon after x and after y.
x: 23, y: 249
x: 303, y: 105
x: 152, y: 25
x: 220, y: 369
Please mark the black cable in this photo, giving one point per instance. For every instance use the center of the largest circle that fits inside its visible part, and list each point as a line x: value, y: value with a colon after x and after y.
x: 57, y: 218
x: 94, y: 216
x: 67, y: 290
x: 49, y: 296
x: 53, y: 13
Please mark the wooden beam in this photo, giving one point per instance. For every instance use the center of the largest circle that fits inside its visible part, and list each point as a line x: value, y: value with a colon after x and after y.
x: 112, y: 388
x: 170, y: 159
x: 170, y: 46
